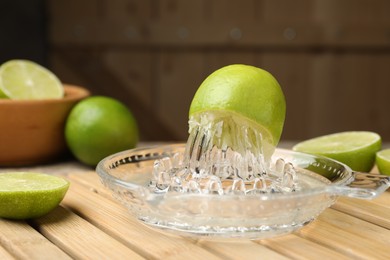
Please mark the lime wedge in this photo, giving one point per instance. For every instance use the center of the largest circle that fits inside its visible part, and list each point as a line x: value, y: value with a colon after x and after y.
x: 383, y: 161
x: 25, y: 195
x: 355, y: 148
x: 23, y: 79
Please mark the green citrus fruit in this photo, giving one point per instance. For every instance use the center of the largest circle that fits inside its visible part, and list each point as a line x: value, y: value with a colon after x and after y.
x: 246, y: 92
x: 354, y: 148
x: 25, y: 195
x: 383, y: 161
x: 23, y: 79
x: 99, y: 126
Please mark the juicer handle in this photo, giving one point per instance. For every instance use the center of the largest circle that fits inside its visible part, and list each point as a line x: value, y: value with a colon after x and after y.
x: 364, y: 186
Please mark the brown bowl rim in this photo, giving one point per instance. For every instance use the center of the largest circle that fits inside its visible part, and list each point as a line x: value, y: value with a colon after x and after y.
x: 71, y: 93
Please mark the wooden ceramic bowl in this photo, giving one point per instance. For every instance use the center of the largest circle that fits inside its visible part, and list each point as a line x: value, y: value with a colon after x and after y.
x: 32, y: 131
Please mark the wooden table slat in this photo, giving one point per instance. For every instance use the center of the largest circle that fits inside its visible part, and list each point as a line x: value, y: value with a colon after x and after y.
x: 366, y: 210
x: 240, y: 249
x: 24, y: 242
x: 356, y: 226
x: 91, y: 224
x: 91, y: 181
x: 327, y: 246
x: 343, y: 241
x: 246, y: 249
x: 115, y: 219
x: 79, y: 238
x: 382, y: 200
x: 296, y: 247
x: 5, y: 255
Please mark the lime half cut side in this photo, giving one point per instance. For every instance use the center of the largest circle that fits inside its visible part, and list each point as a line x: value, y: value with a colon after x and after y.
x: 23, y: 79
x: 383, y: 161
x: 356, y: 149
x: 25, y: 195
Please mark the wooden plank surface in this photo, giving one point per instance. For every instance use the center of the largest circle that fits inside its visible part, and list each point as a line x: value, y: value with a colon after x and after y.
x: 5, y: 255
x: 296, y: 247
x: 333, y: 234
x: 366, y: 210
x: 114, y: 219
x: 240, y: 250
x: 91, y: 224
x: 342, y: 241
x: 24, y: 242
x: 79, y: 238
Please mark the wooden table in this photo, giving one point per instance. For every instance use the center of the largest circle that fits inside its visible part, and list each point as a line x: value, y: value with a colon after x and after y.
x: 90, y: 224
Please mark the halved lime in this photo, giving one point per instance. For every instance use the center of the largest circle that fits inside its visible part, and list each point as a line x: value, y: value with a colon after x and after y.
x: 248, y: 102
x: 23, y: 79
x: 247, y: 92
x: 25, y: 195
x: 354, y: 148
x: 383, y: 161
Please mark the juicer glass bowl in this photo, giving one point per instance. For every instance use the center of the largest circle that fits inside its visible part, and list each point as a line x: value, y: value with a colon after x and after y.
x: 254, y: 215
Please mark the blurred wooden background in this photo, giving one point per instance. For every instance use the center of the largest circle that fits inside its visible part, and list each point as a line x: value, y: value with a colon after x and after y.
x: 331, y: 57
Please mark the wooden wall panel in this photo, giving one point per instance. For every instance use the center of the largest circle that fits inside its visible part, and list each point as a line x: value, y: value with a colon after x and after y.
x: 288, y: 12
x: 355, y: 23
x: 127, y: 11
x: 67, y: 74
x: 380, y: 86
x: 292, y: 70
x: 342, y: 93
x: 331, y: 57
x: 74, y: 21
x: 358, y: 12
x: 178, y: 12
x: 233, y: 12
x: 219, y: 59
x: 179, y: 75
x: 124, y: 21
x: 134, y: 70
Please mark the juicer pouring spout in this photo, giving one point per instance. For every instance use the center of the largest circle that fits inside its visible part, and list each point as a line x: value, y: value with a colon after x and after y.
x: 363, y: 186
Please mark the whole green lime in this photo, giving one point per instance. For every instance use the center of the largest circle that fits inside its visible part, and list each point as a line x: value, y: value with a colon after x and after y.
x: 247, y: 92
x: 25, y: 195
x: 99, y: 126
